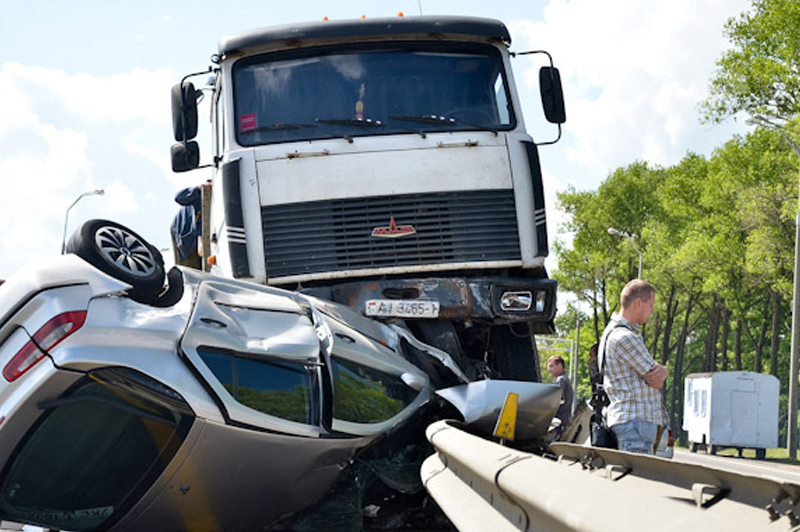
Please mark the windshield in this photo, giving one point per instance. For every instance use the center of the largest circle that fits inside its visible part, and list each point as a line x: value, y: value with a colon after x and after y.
x: 347, y: 92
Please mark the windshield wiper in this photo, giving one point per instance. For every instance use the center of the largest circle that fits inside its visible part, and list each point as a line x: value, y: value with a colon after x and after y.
x: 279, y: 127
x: 427, y: 119
x: 350, y: 122
x: 434, y: 120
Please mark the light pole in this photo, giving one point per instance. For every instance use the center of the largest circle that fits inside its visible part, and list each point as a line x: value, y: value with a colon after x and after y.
x: 98, y: 192
x: 791, y: 432
x: 623, y: 234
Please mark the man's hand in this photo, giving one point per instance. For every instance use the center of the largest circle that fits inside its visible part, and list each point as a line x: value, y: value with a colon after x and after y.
x: 656, y: 376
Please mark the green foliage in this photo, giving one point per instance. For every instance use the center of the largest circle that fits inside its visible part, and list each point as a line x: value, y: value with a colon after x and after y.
x: 717, y: 239
x: 759, y: 75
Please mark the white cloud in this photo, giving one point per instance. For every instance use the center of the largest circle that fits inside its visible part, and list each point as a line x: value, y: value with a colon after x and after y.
x: 62, y: 135
x: 634, y: 74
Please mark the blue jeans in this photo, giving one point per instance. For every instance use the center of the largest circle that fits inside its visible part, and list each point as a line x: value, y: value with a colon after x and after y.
x: 636, y: 436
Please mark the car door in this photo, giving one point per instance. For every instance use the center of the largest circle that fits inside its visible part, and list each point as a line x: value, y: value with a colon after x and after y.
x: 256, y: 350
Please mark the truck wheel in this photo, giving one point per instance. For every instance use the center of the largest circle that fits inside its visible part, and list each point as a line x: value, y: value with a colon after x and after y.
x: 761, y: 454
x: 692, y: 447
x: 116, y: 250
x: 712, y: 449
x: 515, y: 353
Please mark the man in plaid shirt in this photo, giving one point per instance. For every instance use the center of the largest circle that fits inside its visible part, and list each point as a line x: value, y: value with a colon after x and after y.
x: 632, y: 379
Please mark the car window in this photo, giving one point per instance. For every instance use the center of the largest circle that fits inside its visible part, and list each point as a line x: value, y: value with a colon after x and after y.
x: 94, y: 452
x: 365, y: 395
x: 278, y: 389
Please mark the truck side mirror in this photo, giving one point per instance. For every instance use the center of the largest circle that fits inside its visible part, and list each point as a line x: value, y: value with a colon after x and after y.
x: 185, y: 156
x: 184, y: 111
x: 552, y: 95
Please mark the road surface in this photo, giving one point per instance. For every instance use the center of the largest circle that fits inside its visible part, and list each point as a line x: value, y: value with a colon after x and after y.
x: 746, y: 466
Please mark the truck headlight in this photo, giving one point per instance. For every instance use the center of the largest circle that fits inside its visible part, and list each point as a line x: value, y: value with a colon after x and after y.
x: 523, y: 301
x: 516, y: 301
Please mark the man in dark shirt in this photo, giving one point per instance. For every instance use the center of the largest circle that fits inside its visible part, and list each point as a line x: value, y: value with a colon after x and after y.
x: 555, y: 366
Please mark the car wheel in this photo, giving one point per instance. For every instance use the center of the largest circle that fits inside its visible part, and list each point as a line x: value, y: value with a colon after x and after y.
x: 116, y: 250
x: 515, y: 353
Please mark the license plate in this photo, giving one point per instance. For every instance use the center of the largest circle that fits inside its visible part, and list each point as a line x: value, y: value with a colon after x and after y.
x: 403, y: 308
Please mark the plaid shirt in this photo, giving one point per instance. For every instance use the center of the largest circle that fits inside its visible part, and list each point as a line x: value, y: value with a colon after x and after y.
x: 626, y: 363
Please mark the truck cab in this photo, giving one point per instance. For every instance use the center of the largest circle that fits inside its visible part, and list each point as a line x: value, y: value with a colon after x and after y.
x: 384, y: 164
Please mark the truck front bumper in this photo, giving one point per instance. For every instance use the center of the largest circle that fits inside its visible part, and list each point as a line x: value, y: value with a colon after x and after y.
x: 494, y: 299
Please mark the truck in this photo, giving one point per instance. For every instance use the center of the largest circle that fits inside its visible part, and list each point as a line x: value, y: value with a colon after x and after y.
x: 384, y: 164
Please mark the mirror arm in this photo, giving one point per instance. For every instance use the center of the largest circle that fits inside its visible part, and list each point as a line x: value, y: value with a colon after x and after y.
x: 552, y: 66
x: 551, y: 141
x: 529, y: 52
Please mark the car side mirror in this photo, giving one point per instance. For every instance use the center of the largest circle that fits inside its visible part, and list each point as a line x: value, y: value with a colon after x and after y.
x: 186, y: 156
x: 184, y: 111
x: 552, y: 95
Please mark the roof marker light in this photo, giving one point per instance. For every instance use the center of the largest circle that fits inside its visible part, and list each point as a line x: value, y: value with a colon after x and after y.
x: 47, y: 337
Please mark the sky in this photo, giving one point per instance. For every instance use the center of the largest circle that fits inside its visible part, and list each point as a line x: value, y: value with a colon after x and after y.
x: 85, y: 85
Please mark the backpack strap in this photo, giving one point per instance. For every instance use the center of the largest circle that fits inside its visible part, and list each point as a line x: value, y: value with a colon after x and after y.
x: 601, y: 351
x: 599, y: 397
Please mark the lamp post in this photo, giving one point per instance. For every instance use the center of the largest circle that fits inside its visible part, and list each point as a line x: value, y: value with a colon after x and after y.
x: 791, y: 432
x: 623, y: 234
x: 98, y: 192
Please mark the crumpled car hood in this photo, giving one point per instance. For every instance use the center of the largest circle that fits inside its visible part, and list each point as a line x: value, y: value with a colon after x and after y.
x: 480, y: 404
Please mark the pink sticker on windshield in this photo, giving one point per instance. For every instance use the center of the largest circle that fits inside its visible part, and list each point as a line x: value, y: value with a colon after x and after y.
x: 247, y: 122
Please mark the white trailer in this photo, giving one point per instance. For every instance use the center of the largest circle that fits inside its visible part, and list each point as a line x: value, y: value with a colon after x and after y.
x: 736, y: 409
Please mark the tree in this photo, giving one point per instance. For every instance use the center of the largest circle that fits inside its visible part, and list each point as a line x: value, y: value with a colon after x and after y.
x: 717, y: 238
x: 761, y: 74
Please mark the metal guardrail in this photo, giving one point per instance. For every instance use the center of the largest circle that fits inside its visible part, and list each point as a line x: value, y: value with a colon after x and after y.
x: 482, y: 486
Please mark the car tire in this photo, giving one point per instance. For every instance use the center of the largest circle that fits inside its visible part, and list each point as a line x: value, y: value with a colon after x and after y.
x: 121, y: 253
x: 515, y: 354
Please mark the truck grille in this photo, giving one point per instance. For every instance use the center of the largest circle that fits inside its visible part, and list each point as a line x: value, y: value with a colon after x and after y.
x: 333, y: 236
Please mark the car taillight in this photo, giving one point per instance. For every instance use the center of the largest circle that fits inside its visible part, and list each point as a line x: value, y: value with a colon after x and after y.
x: 671, y: 441
x: 49, y: 336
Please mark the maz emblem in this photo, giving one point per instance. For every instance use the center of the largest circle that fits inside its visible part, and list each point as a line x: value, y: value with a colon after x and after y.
x: 394, y: 230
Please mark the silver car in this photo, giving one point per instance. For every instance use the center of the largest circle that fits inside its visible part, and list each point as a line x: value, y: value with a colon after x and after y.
x: 129, y: 403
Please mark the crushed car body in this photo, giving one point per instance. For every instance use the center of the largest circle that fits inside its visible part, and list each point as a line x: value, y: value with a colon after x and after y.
x: 214, y: 404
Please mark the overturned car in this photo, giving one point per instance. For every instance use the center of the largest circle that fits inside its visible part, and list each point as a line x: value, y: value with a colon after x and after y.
x: 133, y: 400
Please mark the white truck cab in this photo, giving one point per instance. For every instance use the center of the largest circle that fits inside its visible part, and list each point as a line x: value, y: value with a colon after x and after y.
x: 383, y: 163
